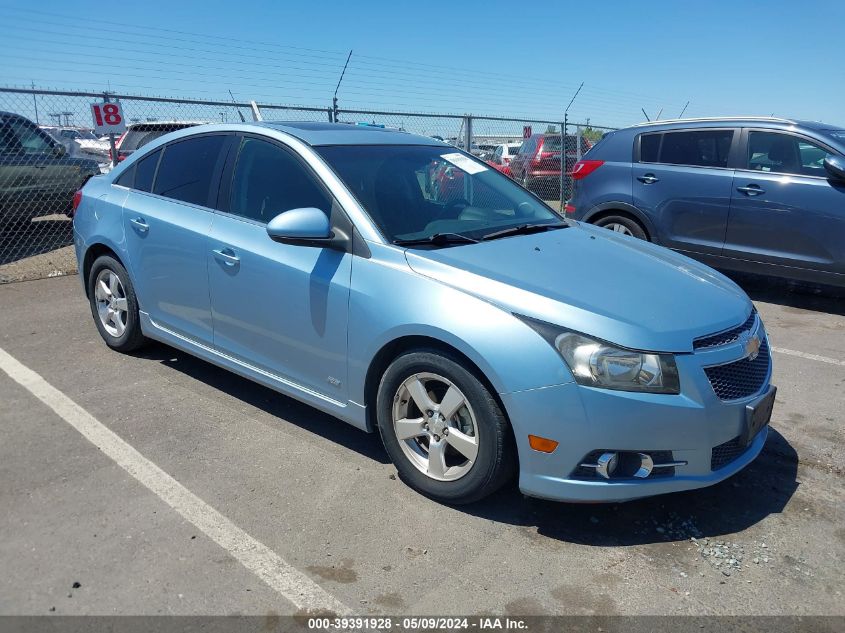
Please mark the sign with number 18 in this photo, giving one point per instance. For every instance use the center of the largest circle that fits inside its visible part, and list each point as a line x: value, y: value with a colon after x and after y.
x: 108, y: 118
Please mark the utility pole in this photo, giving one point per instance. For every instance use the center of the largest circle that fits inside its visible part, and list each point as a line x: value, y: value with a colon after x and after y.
x: 35, y: 104
x: 334, y: 97
x: 563, y: 178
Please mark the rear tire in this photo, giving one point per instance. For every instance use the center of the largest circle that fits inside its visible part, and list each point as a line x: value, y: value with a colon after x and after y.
x: 623, y: 224
x: 114, y: 305
x: 471, y: 434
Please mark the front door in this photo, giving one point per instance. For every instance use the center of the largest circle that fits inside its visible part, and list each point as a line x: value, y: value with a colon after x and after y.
x: 785, y: 209
x: 682, y: 182
x: 278, y: 307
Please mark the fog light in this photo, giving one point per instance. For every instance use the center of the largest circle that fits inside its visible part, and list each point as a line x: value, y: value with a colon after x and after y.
x: 606, y: 464
x: 542, y: 444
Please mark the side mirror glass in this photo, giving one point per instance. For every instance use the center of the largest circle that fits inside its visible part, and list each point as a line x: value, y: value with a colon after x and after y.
x: 835, y: 166
x: 306, y: 227
x: 59, y: 150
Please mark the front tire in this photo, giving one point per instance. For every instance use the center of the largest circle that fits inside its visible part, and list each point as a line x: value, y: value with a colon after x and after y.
x: 114, y: 305
x: 623, y: 224
x: 443, y: 429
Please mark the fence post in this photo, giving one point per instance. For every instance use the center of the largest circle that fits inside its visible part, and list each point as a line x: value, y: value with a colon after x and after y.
x: 331, y: 118
x: 112, y: 146
x: 561, y: 202
x: 468, y: 133
x: 578, y: 143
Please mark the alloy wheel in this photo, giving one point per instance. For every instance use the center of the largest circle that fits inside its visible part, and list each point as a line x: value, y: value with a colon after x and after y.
x: 435, y: 426
x: 618, y: 228
x: 112, y: 306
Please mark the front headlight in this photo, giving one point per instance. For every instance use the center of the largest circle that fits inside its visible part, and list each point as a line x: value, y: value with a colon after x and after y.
x: 599, y: 364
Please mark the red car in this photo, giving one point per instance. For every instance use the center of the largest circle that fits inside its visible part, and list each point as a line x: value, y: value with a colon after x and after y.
x: 537, y: 165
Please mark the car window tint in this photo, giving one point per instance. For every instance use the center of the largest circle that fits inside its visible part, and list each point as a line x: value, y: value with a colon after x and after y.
x: 702, y: 148
x: 127, y: 178
x: 29, y: 138
x: 145, y: 170
x: 187, y: 167
x: 650, y: 147
x: 785, y: 154
x: 269, y: 180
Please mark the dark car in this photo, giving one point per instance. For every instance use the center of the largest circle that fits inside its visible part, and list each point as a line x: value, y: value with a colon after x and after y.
x: 759, y: 195
x: 537, y: 164
x: 37, y: 176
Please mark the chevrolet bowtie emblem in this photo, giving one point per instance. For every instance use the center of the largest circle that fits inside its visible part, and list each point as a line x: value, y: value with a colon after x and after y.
x: 752, y: 347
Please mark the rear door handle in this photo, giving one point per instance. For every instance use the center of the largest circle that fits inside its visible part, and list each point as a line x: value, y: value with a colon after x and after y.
x: 227, y: 256
x: 648, y: 179
x: 140, y: 224
x: 751, y: 190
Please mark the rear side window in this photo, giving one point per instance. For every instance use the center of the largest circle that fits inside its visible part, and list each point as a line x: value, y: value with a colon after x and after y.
x: 187, y: 168
x: 699, y: 148
x: 127, y: 178
x: 145, y: 170
x: 269, y: 180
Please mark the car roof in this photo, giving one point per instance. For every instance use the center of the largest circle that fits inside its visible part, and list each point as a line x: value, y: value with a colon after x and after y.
x: 318, y: 133
x: 743, y: 121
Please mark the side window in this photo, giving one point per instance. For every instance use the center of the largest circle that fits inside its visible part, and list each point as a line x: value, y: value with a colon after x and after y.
x: 187, y: 168
x: 269, y: 180
x: 145, y: 171
x: 704, y: 148
x: 30, y: 138
x: 127, y: 178
x: 785, y: 154
x: 650, y: 148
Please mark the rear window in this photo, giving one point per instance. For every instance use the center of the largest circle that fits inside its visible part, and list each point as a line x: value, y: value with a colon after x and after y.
x: 187, y: 168
x: 698, y: 148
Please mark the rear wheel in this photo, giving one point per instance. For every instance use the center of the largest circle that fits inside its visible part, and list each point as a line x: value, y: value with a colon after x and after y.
x: 443, y: 429
x: 624, y: 225
x: 114, y: 305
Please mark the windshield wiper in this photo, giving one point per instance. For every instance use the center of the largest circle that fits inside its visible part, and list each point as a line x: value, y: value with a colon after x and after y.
x: 522, y: 229
x: 438, y: 239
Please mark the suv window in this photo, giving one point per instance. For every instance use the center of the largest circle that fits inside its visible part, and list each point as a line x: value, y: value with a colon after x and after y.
x: 269, y: 180
x: 699, y: 148
x: 187, y: 168
x: 25, y: 138
x: 785, y: 154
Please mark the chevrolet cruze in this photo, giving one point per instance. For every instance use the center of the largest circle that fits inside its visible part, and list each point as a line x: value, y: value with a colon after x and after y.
x: 405, y: 287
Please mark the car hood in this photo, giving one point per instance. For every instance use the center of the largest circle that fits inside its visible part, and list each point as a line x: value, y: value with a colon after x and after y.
x: 616, y: 288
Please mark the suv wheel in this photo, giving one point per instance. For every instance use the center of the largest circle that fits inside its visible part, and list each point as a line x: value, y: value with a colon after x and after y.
x: 444, y: 431
x: 623, y: 224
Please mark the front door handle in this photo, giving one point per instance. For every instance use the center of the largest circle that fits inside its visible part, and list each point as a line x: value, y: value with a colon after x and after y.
x: 751, y: 190
x: 648, y: 179
x: 227, y: 256
x: 140, y: 224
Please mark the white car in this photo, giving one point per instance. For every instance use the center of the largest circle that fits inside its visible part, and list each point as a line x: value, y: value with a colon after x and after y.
x: 504, y: 152
x: 84, y: 140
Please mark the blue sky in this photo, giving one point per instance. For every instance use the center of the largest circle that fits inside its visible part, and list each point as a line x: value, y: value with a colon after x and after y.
x: 490, y: 57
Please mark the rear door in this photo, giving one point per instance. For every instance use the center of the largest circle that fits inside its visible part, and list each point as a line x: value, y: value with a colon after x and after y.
x: 784, y: 208
x: 682, y: 181
x: 167, y: 219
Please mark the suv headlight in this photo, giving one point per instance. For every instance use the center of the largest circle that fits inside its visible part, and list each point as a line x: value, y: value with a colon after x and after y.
x: 596, y: 363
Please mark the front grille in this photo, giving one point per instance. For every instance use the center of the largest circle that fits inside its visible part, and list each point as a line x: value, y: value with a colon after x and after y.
x: 724, y: 454
x: 741, y: 378
x: 726, y: 337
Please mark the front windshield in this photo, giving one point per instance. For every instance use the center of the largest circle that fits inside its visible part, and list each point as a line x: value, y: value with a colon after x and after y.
x: 414, y: 192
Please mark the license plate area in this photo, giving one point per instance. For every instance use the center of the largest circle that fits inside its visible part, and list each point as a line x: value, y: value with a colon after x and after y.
x: 758, y: 415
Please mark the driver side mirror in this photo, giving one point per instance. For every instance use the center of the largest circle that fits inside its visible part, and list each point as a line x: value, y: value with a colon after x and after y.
x: 835, y: 166
x: 59, y: 150
x: 306, y: 226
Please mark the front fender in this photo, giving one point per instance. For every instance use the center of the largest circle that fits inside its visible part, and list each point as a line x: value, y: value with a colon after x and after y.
x: 389, y: 301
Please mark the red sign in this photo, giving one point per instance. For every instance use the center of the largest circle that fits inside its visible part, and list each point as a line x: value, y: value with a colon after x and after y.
x: 526, y: 131
x: 108, y: 118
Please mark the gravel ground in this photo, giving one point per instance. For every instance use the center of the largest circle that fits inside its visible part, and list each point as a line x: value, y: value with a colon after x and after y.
x: 79, y: 535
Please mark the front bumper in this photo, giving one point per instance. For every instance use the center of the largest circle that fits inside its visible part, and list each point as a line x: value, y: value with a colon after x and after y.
x: 585, y: 419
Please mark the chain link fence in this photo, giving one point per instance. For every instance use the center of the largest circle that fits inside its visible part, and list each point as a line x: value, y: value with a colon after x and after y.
x: 48, y: 150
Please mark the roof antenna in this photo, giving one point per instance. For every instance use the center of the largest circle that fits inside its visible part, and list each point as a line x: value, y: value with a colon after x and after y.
x: 240, y: 114
x: 645, y: 115
x: 681, y: 115
x: 334, y: 98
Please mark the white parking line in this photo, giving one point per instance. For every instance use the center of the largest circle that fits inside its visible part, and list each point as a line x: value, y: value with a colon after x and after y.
x: 279, y: 575
x: 821, y: 359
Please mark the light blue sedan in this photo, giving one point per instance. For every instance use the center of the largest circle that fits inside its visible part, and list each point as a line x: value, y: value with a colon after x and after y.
x: 403, y: 286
